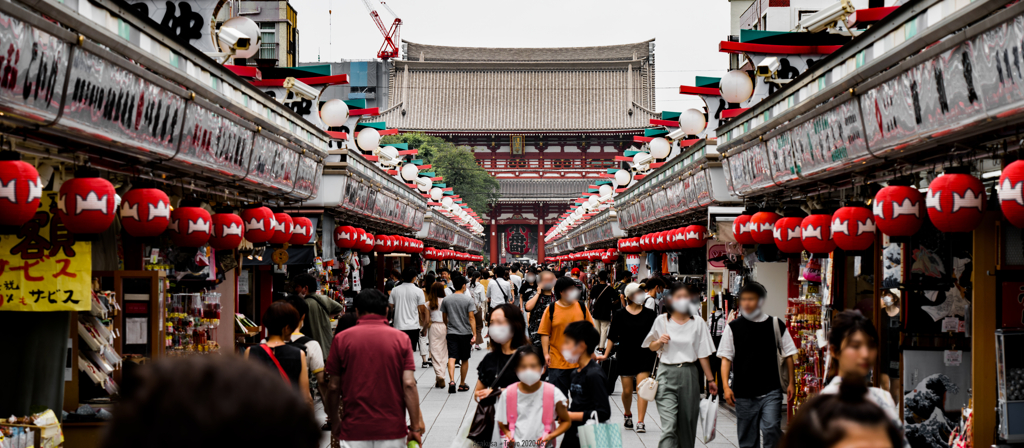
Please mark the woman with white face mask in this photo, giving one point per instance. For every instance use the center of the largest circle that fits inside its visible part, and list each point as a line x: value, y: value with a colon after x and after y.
x: 507, y: 331
x: 538, y: 405
x: 629, y: 328
x: 683, y: 341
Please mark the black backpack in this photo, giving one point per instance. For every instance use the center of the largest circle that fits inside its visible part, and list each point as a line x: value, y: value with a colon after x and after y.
x: 301, y: 342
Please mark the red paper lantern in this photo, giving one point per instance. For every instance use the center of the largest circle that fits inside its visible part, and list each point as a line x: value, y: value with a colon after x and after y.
x: 20, y: 191
x: 643, y: 243
x: 816, y: 234
x: 282, y: 228
x: 259, y: 224
x: 367, y: 241
x: 1011, y: 193
x: 741, y: 228
x: 346, y: 237
x: 611, y: 255
x: 762, y: 227
x: 145, y: 212
x: 897, y: 210
x: 417, y: 247
x: 428, y: 253
x: 380, y: 243
x: 190, y: 226
x: 787, y: 235
x: 955, y: 202
x: 86, y: 205
x: 853, y: 228
x: 226, y: 231
x: 696, y: 236
x: 302, y: 231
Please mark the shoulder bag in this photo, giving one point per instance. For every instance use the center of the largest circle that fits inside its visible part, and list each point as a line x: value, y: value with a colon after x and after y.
x: 482, y: 428
x: 276, y: 363
x: 648, y: 388
x: 779, y: 360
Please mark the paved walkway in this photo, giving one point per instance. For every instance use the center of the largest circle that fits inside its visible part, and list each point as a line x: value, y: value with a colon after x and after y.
x: 445, y: 414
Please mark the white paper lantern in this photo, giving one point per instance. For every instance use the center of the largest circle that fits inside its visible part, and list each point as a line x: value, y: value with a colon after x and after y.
x: 605, y: 190
x: 436, y: 194
x: 388, y: 155
x: 368, y: 139
x: 692, y: 122
x: 594, y: 202
x: 447, y: 202
x: 736, y: 86
x: 247, y: 27
x: 660, y: 147
x: 623, y: 177
x: 334, y: 113
x: 410, y: 172
x: 423, y: 184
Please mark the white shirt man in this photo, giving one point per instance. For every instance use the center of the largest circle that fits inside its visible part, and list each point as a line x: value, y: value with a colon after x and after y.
x: 499, y: 291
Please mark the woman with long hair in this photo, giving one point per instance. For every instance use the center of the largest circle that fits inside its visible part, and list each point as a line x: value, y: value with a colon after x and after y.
x: 683, y: 341
x: 437, y: 333
x: 507, y: 331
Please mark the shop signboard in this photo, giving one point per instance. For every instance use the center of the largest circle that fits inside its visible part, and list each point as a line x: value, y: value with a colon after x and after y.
x: 728, y: 175
x: 690, y: 193
x: 306, y: 177
x: 780, y: 158
x: 215, y: 142
x: 1000, y: 81
x: 44, y: 267
x: 264, y: 157
x: 282, y: 174
x: 660, y: 203
x: 677, y: 198
x: 1012, y: 309
x: 702, y: 188
x: 715, y: 251
x: 34, y: 69
x: 830, y: 140
x: 112, y: 103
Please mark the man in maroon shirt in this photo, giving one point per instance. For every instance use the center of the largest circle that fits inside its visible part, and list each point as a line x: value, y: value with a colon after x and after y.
x: 372, y: 370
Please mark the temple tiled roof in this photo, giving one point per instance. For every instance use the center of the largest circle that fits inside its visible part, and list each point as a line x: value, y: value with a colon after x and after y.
x: 522, y: 89
x: 534, y: 189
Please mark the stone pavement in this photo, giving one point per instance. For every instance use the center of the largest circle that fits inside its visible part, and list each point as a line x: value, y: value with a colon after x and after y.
x: 445, y: 414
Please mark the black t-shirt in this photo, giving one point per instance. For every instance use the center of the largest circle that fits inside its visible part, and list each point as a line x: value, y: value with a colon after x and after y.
x: 489, y: 367
x: 629, y: 330
x: 537, y: 314
x: 289, y: 356
x: 587, y: 394
x: 605, y: 297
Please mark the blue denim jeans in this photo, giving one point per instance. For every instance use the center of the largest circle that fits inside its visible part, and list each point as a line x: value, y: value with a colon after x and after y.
x: 757, y: 416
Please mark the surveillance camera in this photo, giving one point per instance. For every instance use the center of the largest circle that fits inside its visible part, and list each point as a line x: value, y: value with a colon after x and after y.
x: 300, y: 89
x: 826, y: 17
x: 677, y: 134
x: 233, y: 40
x: 767, y: 67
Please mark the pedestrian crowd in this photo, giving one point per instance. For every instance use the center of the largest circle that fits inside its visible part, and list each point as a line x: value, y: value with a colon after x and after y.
x: 556, y: 341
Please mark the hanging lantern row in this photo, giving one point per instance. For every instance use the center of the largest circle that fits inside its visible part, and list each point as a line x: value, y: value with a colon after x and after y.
x: 447, y: 254
x: 603, y: 255
x: 688, y: 237
x: 348, y: 237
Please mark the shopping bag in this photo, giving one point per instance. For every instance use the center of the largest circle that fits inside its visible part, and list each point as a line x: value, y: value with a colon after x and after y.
x: 708, y: 418
x: 599, y: 435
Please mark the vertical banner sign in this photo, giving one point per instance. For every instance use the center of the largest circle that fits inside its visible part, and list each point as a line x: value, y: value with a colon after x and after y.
x: 518, y: 240
x: 633, y: 263
x: 518, y: 145
x: 43, y: 267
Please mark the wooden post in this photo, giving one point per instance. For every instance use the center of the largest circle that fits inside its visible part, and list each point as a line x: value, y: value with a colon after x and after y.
x: 983, y: 328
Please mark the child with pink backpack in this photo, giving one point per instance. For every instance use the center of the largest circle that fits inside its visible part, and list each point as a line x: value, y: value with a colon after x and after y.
x: 527, y: 410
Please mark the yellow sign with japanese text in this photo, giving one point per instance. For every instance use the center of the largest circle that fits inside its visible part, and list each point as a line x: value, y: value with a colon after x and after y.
x: 43, y: 267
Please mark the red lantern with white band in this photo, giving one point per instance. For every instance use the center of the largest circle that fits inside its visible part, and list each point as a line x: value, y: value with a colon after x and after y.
x: 787, y: 234
x: 1011, y: 193
x: 145, y: 212
x: 346, y: 237
x: 190, y: 226
x: 898, y: 210
x: 86, y: 204
x: 762, y: 227
x: 696, y: 236
x: 816, y: 234
x: 259, y: 224
x: 302, y: 231
x: 853, y: 228
x: 955, y: 202
x: 226, y: 231
x: 20, y: 190
x: 367, y: 241
x: 282, y: 228
x: 741, y: 230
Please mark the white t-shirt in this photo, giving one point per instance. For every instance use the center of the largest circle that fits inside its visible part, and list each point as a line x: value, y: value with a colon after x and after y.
x: 529, y: 425
x: 727, y: 346
x: 687, y: 342
x: 437, y: 315
x: 494, y: 291
x: 314, y: 355
x: 479, y: 294
x: 407, y: 298
x: 516, y: 280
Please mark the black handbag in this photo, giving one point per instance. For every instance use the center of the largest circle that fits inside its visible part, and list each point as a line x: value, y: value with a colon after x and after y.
x: 482, y: 428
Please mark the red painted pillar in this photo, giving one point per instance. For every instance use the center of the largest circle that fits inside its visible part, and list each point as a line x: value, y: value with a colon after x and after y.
x: 494, y: 240
x: 540, y: 241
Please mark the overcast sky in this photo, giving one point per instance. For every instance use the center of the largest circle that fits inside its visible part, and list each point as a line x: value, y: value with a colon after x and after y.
x: 687, y: 32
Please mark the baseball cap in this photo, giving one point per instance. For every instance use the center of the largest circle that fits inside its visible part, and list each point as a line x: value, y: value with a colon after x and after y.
x: 631, y: 289
x: 575, y: 271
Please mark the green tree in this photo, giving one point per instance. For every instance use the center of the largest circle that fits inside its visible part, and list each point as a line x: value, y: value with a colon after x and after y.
x: 457, y: 165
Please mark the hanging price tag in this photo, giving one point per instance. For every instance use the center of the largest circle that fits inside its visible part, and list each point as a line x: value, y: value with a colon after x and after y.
x: 950, y: 324
x: 953, y: 358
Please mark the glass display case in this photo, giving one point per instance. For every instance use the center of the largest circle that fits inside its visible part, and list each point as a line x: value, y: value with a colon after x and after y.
x: 1010, y: 370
